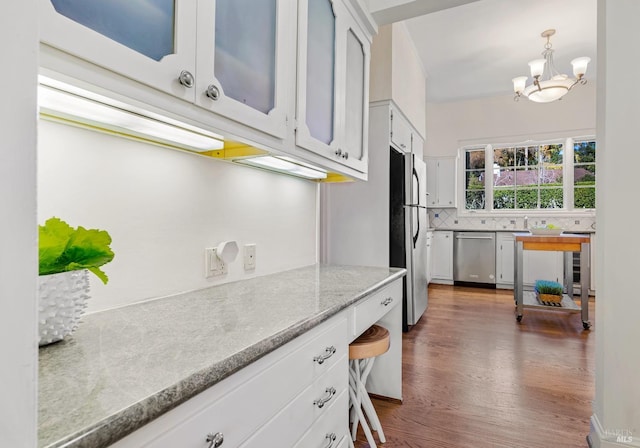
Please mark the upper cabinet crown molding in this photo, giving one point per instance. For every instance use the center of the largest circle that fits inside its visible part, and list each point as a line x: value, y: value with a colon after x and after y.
x: 198, y: 61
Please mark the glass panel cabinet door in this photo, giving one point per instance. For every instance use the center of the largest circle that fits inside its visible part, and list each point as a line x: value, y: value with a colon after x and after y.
x: 245, y: 61
x: 151, y: 41
x: 317, y: 102
x: 333, y: 83
x: 245, y: 53
x: 320, y: 70
x: 356, y: 100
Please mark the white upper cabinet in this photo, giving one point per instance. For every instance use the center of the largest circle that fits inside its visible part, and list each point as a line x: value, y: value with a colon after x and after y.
x: 252, y: 70
x: 400, y: 132
x: 151, y: 42
x: 441, y: 182
x: 245, y: 61
x: 333, y: 83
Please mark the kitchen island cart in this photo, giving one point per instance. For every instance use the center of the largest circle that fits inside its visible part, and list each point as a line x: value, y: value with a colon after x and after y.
x: 566, y: 243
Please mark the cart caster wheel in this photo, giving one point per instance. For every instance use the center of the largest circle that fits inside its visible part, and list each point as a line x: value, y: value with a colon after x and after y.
x: 519, y: 318
x: 586, y: 325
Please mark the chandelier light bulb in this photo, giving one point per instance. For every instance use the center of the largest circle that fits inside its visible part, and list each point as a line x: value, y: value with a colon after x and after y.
x: 519, y: 83
x: 537, y: 67
x: 548, y: 84
x: 580, y: 66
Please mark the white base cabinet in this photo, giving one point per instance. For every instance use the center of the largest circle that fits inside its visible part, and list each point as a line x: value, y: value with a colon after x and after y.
x: 504, y: 259
x: 537, y: 265
x: 442, y: 257
x: 429, y: 255
x: 288, y: 398
x: 261, y: 397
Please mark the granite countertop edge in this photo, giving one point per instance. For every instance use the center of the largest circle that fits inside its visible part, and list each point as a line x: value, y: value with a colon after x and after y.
x: 120, y: 424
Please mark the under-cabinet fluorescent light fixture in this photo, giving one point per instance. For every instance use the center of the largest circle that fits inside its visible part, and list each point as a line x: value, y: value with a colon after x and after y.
x: 68, y: 103
x: 285, y: 165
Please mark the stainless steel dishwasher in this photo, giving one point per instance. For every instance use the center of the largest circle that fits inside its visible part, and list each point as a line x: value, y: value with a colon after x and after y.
x: 474, y: 257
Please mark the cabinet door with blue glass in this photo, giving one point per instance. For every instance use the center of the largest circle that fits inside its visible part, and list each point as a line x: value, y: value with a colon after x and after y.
x: 333, y: 83
x: 246, y: 61
x: 150, y: 41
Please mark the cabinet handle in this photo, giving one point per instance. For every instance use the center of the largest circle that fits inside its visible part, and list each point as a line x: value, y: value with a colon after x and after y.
x: 403, y: 146
x: 332, y: 438
x: 215, y: 440
x: 330, y: 391
x: 345, y: 155
x: 186, y: 79
x: 387, y: 301
x: 213, y: 92
x: 339, y: 152
x: 328, y: 353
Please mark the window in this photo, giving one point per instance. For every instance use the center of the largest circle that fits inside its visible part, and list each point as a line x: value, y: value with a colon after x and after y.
x: 584, y: 174
x: 531, y: 176
x: 474, y: 180
x: 527, y: 177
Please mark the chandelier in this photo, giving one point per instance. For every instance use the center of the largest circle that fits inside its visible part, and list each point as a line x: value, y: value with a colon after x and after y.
x: 549, y: 84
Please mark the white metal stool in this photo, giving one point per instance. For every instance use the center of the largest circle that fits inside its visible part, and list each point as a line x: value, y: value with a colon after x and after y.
x: 362, y: 353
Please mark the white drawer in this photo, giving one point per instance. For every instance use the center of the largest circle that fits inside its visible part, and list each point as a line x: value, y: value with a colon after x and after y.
x: 370, y: 310
x: 242, y: 403
x: 335, y: 423
x: 292, y: 422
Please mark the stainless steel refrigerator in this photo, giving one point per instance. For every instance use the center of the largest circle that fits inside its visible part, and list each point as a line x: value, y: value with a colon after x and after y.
x: 408, y: 230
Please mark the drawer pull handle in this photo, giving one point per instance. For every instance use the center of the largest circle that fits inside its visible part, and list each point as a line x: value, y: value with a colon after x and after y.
x: 328, y: 353
x: 331, y: 391
x: 332, y: 438
x: 215, y: 440
x: 387, y: 301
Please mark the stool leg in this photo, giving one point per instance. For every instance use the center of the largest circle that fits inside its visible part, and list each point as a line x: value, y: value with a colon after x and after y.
x: 356, y: 398
x: 367, y: 405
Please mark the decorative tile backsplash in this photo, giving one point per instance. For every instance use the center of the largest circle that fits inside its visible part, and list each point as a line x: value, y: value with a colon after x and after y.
x: 447, y: 218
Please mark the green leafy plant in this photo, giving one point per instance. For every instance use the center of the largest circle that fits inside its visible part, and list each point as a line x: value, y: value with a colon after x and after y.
x: 548, y: 287
x: 63, y: 248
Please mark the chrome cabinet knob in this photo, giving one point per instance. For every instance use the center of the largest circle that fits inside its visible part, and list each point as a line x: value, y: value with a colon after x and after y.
x: 215, y: 440
x: 186, y: 79
x: 213, y: 92
x: 339, y: 152
x: 345, y: 156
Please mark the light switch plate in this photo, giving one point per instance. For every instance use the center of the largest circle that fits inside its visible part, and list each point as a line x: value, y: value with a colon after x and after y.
x: 249, y: 257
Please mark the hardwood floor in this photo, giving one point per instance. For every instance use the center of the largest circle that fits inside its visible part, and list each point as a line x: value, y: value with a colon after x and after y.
x: 474, y: 377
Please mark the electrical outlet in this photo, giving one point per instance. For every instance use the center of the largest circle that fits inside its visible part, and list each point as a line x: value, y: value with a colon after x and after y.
x: 213, y: 265
x: 249, y: 257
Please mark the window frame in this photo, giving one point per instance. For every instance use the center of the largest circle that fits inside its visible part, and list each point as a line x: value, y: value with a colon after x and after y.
x: 567, y: 176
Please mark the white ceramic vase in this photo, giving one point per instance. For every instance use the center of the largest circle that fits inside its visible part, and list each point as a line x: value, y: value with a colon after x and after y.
x: 62, y: 300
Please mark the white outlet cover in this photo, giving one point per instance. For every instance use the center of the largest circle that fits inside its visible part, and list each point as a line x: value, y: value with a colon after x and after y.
x: 249, y: 257
x: 213, y: 264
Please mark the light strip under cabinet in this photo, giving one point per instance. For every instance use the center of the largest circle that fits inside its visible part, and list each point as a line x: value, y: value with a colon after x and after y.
x: 76, y: 108
x: 285, y: 165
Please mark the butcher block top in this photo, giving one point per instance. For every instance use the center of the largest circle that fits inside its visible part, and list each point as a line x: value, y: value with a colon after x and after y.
x: 569, y: 242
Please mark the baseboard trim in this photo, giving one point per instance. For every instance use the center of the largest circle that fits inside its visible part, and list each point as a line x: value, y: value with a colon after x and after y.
x: 383, y: 398
x: 614, y: 438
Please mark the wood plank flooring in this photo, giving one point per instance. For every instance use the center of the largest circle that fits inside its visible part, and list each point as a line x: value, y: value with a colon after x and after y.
x: 474, y: 377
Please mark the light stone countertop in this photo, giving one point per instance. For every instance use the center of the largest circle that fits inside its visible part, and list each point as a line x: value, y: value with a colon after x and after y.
x: 124, y: 367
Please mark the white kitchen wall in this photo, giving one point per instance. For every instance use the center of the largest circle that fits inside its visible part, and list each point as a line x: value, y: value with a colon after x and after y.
x: 163, y: 207
x: 18, y: 237
x: 499, y: 119
x: 397, y: 73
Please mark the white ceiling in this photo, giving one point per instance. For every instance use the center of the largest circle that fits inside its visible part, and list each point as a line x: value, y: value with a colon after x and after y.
x: 474, y: 50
